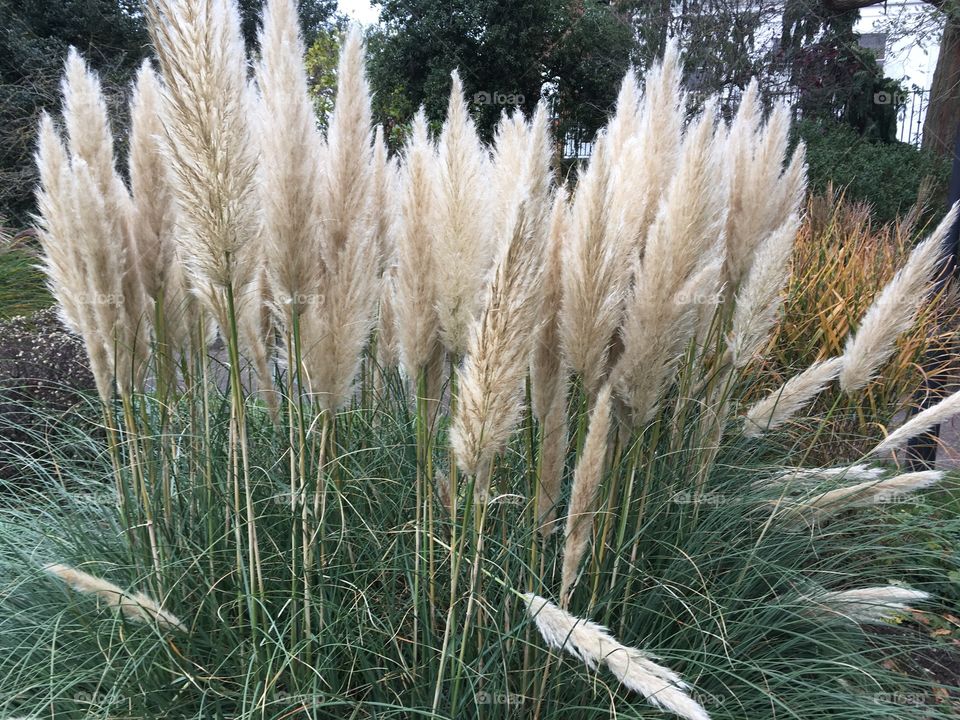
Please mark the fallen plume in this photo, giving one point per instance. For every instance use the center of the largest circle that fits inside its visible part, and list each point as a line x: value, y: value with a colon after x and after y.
x: 593, y: 644
x: 135, y: 606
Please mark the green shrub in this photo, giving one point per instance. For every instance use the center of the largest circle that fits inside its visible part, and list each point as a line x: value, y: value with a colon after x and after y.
x: 889, y: 176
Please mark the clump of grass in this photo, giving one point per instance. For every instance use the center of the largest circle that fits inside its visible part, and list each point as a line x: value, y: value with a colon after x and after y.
x: 841, y: 261
x: 22, y: 289
x: 333, y: 536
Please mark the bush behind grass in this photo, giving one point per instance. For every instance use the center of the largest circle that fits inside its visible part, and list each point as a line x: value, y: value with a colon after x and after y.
x: 888, y: 176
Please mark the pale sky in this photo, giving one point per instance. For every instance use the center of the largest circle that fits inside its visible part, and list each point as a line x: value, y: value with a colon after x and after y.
x: 360, y: 11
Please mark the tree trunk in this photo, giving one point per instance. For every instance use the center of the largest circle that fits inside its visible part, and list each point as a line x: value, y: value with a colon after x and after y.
x: 943, y: 112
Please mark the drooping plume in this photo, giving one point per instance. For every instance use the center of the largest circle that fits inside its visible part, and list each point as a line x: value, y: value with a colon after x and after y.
x: 894, y: 310
x: 593, y: 644
x: 135, y: 606
x: 795, y: 394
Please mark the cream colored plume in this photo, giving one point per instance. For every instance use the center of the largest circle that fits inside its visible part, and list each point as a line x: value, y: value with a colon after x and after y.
x: 490, y: 380
x: 583, y: 494
x: 290, y: 165
x: 645, y: 139
x: 63, y: 260
x: 85, y: 227
x: 548, y: 371
x: 756, y: 155
x: 594, y: 645
x: 790, y: 398
x: 336, y: 329
x: 678, y: 276
x: 920, y: 423
x: 109, y: 238
x: 547, y: 368
x: 135, y: 606
x: 417, y: 262
x: 759, y: 298
x: 155, y: 213
x: 808, y: 476
x: 869, y: 492
x: 502, y: 339
x: 870, y: 605
x: 596, y: 274
x: 212, y: 153
x: 894, y: 310
x: 464, y: 235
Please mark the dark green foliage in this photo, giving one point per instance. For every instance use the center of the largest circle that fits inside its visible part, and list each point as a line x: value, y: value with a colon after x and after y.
x: 508, y: 54
x: 887, y: 175
x: 34, y: 38
x: 111, y: 34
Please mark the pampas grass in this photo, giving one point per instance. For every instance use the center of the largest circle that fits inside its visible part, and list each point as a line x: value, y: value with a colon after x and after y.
x: 417, y: 318
x: 583, y: 494
x: 290, y: 164
x: 445, y: 327
x: 869, y: 492
x: 594, y: 645
x: 870, y: 605
x: 796, y: 393
x: 134, y: 606
x: 679, y: 274
x: 464, y: 241
x: 919, y: 424
x: 894, y: 310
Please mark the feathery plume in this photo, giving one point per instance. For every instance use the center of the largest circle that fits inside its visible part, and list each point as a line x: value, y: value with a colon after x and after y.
x: 782, y: 404
x: 490, y: 379
x: 870, y: 605
x: 583, y: 494
x: 679, y: 273
x: 809, y: 476
x: 212, y: 153
x: 593, y: 644
x: 920, y: 423
x: 290, y: 163
x: 155, y: 213
x: 894, y: 310
x: 646, y: 152
x: 135, y: 606
x: 547, y: 372
x: 338, y: 326
x: 501, y: 340
x: 464, y: 243
x: 757, y: 171
x: 759, y: 298
x: 869, y: 492
x: 417, y: 320
x: 596, y: 274
x: 63, y: 262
